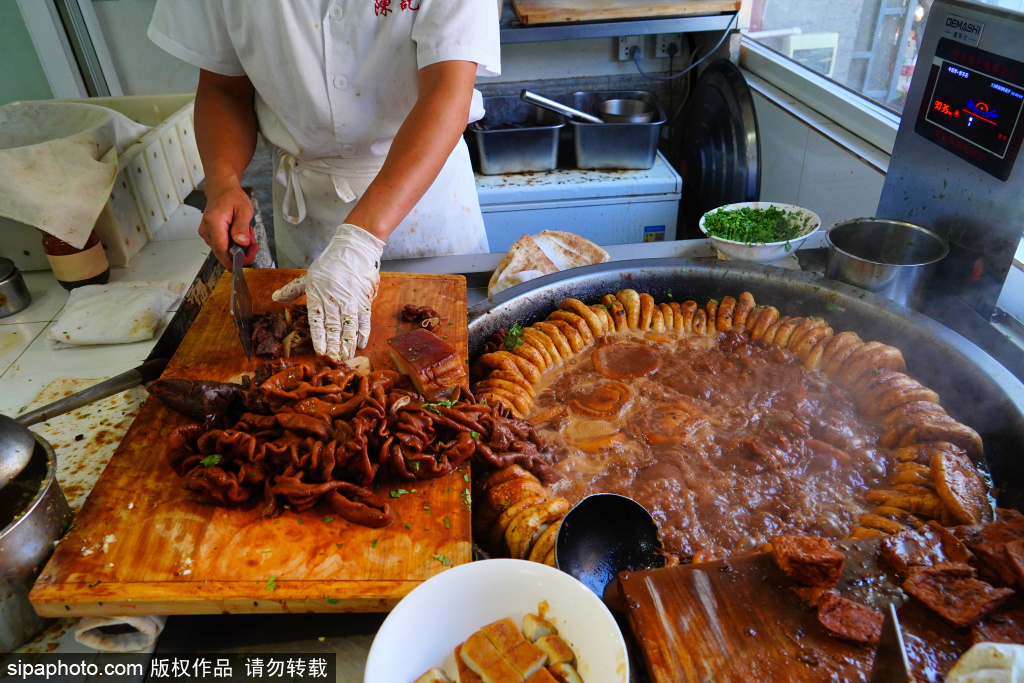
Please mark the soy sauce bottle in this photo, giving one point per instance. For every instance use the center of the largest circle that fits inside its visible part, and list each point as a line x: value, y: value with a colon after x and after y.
x: 77, y: 267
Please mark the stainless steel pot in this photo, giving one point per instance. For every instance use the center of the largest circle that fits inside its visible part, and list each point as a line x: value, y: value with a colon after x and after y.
x: 888, y: 257
x: 26, y: 544
x: 14, y: 294
x: 974, y: 388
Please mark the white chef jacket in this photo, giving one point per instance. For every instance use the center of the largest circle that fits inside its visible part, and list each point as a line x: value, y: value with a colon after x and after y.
x: 334, y: 80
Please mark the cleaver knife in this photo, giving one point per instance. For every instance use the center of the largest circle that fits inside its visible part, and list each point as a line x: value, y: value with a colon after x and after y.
x: 241, y: 301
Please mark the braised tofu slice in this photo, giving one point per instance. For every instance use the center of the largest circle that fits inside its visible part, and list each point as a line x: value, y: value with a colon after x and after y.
x: 524, y: 656
x: 563, y: 673
x: 534, y: 627
x: 466, y: 675
x: 556, y: 649
x: 542, y: 676
x: 486, y: 661
x: 435, y: 675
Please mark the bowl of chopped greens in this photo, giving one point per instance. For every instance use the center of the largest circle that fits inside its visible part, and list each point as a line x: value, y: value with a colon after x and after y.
x: 762, y: 232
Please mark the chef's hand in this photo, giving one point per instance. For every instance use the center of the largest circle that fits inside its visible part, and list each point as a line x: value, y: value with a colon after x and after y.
x: 228, y: 212
x: 340, y: 286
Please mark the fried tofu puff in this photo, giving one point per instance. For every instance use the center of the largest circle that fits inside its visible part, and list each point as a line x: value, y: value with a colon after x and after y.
x: 668, y: 316
x: 744, y: 305
x: 525, y: 528
x: 711, y: 313
x: 870, y: 358
x: 688, y: 309
x: 606, y: 319
x: 726, y: 310
x: 700, y: 321
x: 768, y: 316
x: 630, y: 300
x: 945, y: 428
x: 578, y: 322
x: 594, y: 323
x: 616, y: 310
x: 490, y: 503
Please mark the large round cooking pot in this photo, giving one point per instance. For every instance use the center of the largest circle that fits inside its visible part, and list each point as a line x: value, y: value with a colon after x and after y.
x: 26, y: 541
x: 974, y: 388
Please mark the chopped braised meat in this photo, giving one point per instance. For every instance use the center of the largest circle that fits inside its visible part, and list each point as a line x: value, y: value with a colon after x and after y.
x: 427, y: 317
x: 988, y: 543
x: 952, y: 546
x: 214, y: 403
x: 951, y: 591
x: 1003, y: 626
x: 434, y: 366
x: 808, y: 560
x: 914, y: 549
x: 1015, y: 554
x: 282, y: 333
x: 849, y: 620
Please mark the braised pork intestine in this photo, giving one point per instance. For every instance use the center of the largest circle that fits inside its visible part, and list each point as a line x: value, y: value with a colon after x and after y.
x: 316, y: 432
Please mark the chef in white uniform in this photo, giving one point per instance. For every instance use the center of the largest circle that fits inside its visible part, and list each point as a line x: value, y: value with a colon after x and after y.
x: 365, y: 101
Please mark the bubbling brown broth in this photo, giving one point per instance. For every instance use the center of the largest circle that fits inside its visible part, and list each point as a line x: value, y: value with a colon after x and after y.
x: 726, y: 442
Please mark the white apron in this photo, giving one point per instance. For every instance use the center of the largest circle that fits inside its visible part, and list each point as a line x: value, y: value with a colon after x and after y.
x: 312, y: 198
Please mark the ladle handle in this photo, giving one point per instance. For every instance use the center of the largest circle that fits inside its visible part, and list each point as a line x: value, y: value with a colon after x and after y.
x: 146, y: 372
x: 557, y: 107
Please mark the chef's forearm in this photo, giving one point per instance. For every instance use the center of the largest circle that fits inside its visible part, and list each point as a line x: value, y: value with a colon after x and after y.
x: 225, y: 121
x: 420, y: 148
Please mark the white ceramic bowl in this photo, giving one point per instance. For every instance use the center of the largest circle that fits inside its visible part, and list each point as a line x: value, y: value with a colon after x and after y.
x: 768, y: 252
x: 424, y: 628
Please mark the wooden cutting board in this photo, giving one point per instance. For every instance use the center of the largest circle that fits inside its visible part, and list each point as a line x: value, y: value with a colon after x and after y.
x: 560, y: 11
x: 142, y: 545
x: 740, y: 620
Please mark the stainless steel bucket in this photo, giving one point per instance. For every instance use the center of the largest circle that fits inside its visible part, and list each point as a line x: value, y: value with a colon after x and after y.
x: 27, y: 541
x: 888, y: 257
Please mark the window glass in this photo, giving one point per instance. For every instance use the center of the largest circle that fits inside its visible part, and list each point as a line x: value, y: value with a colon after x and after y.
x: 868, y: 46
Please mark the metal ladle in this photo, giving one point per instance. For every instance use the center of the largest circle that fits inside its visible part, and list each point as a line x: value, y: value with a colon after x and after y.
x: 557, y: 107
x: 603, y: 535
x: 17, y: 443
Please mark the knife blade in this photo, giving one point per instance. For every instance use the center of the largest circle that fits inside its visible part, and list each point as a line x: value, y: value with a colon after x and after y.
x: 241, y: 301
x: 891, y: 665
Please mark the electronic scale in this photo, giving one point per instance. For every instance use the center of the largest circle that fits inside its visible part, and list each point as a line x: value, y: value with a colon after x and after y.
x: 955, y: 167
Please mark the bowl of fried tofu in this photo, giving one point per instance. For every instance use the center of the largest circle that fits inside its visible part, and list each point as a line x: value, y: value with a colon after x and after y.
x: 499, y: 621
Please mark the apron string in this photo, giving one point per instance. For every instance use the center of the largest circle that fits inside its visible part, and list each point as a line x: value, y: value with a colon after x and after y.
x: 288, y: 176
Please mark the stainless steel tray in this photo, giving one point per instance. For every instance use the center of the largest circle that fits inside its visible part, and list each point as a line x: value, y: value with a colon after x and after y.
x: 531, y: 147
x: 625, y: 146
x: 974, y: 387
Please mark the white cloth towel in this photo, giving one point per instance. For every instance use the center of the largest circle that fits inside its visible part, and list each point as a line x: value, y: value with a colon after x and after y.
x: 58, y: 161
x: 142, y: 637
x: 116, y: 313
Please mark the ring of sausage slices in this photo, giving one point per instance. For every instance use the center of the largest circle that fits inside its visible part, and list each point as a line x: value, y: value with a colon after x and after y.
x: 935, y: 476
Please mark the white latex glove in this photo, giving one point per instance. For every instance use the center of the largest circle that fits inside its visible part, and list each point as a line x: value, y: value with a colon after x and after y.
x: 340, y: 286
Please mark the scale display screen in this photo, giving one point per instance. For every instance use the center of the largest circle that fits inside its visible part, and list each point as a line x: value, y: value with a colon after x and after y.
x: 973, y: 105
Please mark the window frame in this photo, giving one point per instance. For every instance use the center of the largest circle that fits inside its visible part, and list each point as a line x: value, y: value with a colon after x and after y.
x: 864, y: 118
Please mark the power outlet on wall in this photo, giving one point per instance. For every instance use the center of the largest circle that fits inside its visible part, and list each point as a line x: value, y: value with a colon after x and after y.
x: 662, y: 41
x: 630, y: 46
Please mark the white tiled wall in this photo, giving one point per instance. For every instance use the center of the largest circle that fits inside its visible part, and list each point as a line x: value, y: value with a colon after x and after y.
x: 801, y: 166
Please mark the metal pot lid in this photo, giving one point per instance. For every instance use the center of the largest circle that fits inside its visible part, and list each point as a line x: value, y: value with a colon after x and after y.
x: 721, y: 150
x: 6, y: 268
